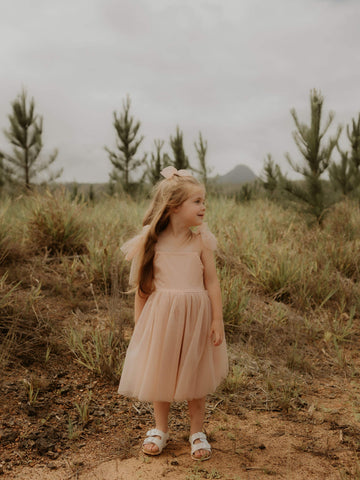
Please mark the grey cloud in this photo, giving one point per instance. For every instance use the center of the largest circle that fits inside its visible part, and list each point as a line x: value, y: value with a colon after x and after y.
x: 230, y: 69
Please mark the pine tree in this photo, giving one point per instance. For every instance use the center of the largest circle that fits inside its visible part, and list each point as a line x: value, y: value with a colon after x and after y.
x: 272, y: 176
x: 25, y: 135
x: 201, y: 150
x: 127, y: 144
x: 316, y: 158
x: 354, y: 138
x: 157, y: 162
x: 180, y: 161
x: 346, y: 175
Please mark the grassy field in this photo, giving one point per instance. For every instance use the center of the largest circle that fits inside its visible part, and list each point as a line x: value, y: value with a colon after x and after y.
x: 291, y: 309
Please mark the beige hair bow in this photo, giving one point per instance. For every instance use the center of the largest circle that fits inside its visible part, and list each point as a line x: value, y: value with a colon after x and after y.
x: 170, y: 171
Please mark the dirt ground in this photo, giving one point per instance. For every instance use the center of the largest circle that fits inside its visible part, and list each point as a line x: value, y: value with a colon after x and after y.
x: 318, y: 441
x: 74, y: 425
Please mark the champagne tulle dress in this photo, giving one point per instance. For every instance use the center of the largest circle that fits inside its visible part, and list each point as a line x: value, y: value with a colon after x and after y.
x: 170, y: 355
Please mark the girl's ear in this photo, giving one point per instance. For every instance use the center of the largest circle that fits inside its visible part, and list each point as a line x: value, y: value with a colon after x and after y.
x: 174, y: 209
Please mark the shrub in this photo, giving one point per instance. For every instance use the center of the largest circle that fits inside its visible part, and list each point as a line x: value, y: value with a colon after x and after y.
x: 10, y: 234
x: 23, y: 331
x: 104, y: 264
x: 4, y: 236
x: 55, y: 224
x: 101, y: 352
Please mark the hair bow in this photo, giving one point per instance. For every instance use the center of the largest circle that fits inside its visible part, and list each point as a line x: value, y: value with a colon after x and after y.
x: 170, y: 171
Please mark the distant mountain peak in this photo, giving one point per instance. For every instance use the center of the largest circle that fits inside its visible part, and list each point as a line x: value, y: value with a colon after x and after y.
x: 239, y: 174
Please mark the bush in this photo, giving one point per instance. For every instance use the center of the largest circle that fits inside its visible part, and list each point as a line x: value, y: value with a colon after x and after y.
x: 4, y: 236
x: 105, y: 265
x: 56, y: 226
x: 23, y: 332
x: 101, y: 352
x: 10, y: 244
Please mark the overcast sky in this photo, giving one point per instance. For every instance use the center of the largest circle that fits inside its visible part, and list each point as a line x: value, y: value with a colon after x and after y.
x: 231, y: 69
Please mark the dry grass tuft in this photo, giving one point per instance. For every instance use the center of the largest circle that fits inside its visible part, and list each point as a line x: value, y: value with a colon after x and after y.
x: 24, y: 331
x: 56, y: 225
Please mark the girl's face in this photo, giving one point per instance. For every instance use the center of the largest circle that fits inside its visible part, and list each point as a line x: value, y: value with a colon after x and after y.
x: 191, y: 212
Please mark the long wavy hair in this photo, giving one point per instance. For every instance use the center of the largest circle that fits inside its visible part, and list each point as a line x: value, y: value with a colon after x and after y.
x: 169, y: 194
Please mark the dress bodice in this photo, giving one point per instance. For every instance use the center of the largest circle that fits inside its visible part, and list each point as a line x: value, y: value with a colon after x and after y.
x: 175, y: 268
x: 178, y: 271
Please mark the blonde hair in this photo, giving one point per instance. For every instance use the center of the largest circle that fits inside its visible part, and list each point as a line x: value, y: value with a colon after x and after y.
x: 169, y: 194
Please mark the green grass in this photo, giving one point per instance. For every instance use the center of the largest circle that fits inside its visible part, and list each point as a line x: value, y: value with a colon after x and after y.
x: 289, y: 290
x: 101, y: 352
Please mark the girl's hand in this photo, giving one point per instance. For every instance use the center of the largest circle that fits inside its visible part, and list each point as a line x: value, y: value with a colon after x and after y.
x: 217, y: 333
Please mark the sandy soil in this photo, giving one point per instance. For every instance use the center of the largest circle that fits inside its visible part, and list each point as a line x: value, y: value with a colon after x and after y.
x: 314, y: 444
x: 315, y: 438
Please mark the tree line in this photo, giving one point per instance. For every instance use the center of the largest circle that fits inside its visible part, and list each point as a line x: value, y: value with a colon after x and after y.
x: 323, y: 181
x: 24, y: 166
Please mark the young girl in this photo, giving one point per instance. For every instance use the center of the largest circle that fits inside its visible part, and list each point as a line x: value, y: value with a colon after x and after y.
x: 177, y: 350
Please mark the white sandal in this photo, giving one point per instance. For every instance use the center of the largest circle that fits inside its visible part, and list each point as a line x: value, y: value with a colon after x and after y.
x: 202, y: 445
x: 151, y: 437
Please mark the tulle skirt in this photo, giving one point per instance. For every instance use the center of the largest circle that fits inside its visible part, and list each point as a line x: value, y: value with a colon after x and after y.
x: 170, y: 355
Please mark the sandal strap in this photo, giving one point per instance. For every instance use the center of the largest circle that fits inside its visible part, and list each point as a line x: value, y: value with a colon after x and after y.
x: 197, y: 436
x: 156, y: 441
x: 157, y: 432
x: 151, y: 437
x: 202, y: 445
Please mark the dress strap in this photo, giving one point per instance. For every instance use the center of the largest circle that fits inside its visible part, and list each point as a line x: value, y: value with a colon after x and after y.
x: 133, y: 246
x: 208, y: 239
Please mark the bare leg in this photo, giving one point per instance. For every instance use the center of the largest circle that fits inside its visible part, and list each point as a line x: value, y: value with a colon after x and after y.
x: 161, y: 412
x: 197, y: 416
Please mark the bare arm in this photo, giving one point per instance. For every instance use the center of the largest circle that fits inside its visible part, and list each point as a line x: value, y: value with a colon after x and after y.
x: 140, y: 301
x: 212, y: 285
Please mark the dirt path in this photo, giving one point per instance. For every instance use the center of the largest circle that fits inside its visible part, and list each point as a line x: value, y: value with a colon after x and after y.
x: 259, y: 445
